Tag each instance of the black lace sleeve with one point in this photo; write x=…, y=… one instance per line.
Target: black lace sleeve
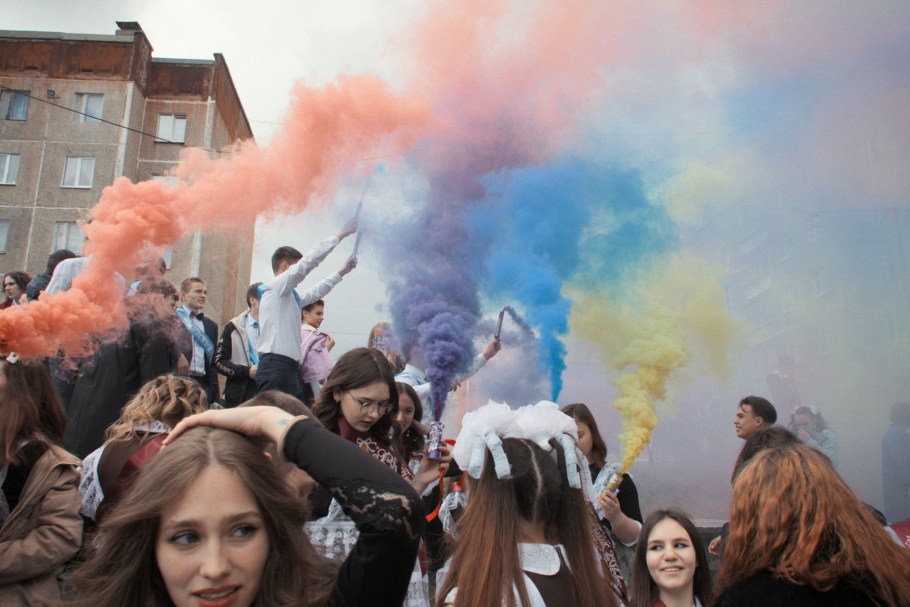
x=386, y=510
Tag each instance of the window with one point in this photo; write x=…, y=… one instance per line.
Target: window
x=9, y=168
x=4, y=233
x=68, y=236
x=78, y=172
x=171, y=128
x=13, y=105
x=90, y=105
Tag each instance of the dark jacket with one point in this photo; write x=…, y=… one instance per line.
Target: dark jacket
x=232, y=358
x=111, y=377
x=185, y=343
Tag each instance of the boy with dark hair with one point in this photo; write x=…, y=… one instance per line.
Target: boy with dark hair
x=280, y=311
x=236, y=357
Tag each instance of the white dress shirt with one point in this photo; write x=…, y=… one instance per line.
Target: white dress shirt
x=279, y=312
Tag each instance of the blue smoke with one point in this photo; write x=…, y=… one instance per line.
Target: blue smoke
x=541, y=227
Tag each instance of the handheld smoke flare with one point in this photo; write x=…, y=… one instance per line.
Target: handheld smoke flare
x=499, y=323
x=434, y=440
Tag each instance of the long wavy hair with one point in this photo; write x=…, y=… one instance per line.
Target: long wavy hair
x=486, y=566
x=29, y=407
x=580, y=412
x=644, y=591
x=121, y=568
x=167, y=399
x=355, y=369
x=791, y=514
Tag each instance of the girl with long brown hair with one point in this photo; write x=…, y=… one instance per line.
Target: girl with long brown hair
x=671, y=563
x=523, y=538
x=618, y=509
x=800, y=536
x=40, y=526
x=358, y=400
x=209, y=521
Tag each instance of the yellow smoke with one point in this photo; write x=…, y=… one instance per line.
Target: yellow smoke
x=649, y=331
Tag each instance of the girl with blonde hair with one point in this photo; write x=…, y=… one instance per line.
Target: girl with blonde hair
x=135, y=438
x=209, y=521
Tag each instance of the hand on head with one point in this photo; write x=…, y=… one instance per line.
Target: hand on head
x=256, y=422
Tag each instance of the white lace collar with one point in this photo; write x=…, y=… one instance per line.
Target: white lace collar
x=542, y=559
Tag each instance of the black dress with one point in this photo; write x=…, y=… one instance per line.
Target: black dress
x=386, y=510
x=764, y=590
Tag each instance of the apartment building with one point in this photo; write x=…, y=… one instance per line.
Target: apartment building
x=78, y=111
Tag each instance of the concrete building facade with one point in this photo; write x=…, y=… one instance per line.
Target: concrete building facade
x=78, y=111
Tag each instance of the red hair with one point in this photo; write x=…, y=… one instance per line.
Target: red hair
x=791, y=514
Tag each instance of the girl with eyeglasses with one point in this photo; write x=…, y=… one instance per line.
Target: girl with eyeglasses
x=358, y=401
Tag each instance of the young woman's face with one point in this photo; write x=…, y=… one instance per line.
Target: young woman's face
x=671, y=557
x=10, y=287
x=405, y=414
x=212, y=544
x=362, y=407
x=584, y=438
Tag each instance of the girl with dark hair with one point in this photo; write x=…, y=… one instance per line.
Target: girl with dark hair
x=524, y=537
x=358, y=400
x=800, y=536
x=135, y=438
x=410, y=434
x=14, y=286
x=671, y=563
x=619, y=510
x=209, y=521
x=40, y=526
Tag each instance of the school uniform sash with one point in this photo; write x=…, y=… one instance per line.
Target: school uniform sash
x=199, y=336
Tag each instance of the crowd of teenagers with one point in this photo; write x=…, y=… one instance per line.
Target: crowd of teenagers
x=133, y=476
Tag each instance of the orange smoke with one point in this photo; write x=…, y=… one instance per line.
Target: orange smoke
x=325, y=132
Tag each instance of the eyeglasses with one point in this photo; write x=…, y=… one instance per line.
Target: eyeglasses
x=381, y=408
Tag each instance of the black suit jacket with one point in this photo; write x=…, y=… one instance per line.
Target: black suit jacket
x=185, y=344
